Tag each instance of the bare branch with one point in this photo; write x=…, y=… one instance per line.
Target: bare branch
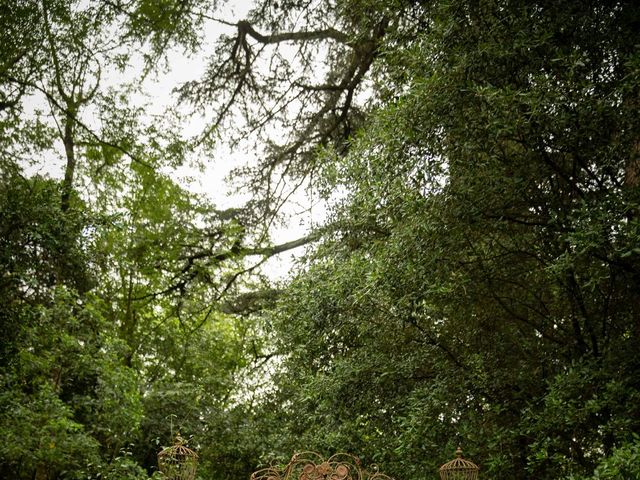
x=181, y=279
x=245, y=28
x=276, y=249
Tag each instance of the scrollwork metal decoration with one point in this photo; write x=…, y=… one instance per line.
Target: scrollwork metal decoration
x=312, y=466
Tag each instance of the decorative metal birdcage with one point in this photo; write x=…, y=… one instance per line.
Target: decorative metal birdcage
x=178, y=462
x=312, y=466
x=459, y=469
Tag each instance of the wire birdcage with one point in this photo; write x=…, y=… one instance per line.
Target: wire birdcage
x=178, y=462
x=459, y=469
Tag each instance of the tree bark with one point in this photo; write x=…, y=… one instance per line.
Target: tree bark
x=69, y=150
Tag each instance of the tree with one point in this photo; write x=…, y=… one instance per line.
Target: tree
x=479, y=283
x=268, y=90
x=117, y=282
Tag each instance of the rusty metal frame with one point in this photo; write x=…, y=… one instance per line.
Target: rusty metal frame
x=178, y=462
x=313, y=466
x=459, y=469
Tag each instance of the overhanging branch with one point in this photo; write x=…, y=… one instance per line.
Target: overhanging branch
x=245, y=28
x=283, y=247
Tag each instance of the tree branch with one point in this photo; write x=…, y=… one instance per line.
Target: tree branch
x=283, y=247
x=81, y=124
x=245, y=28
x=186, y=274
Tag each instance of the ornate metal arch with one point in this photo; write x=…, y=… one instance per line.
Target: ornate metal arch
x=312, y=466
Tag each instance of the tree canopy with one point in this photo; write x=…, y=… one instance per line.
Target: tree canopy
x=476, y=280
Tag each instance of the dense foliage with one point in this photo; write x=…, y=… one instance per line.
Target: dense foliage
x=476, y=282
x=480, y=281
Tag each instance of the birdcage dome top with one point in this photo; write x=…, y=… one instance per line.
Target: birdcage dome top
x=178, y=462
x=178, y=449
x=459, y=469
